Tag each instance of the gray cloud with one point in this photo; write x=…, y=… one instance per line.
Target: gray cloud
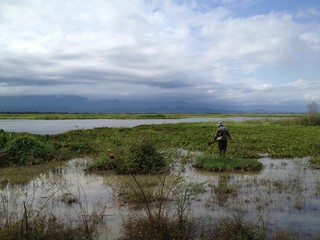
x=162, y=49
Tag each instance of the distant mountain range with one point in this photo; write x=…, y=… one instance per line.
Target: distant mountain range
x=74, y=104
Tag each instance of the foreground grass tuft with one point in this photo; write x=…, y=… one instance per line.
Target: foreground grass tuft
x=226, y=163
x=315, y=162
x=139, y=227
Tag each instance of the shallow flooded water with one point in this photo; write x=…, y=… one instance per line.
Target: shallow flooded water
x=285, y=195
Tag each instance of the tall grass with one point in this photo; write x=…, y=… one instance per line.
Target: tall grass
x=310, y=118
x=35, y=221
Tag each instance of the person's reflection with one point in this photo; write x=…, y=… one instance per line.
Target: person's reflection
x=223, y=190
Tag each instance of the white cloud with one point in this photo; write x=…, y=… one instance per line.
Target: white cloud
x=142, y=48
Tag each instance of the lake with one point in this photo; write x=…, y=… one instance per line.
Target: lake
x=60, y=126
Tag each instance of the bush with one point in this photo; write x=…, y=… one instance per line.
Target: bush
x=312, y=117
x=310, y=120
x=24, y=150
x=143, y=158
x=222, y=164
x=3, y=139
x=139, y=158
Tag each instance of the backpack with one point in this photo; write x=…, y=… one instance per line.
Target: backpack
x=222, y=134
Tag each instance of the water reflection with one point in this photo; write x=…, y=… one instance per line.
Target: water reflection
x=284, y=195
x=223, y=190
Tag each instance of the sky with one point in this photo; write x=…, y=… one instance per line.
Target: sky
x=200, y=51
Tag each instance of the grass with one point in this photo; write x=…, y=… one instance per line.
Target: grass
x=226, y=163
x=236, y=227
x=315, y=162
x=277, y=139
x=250, y=139
x=139, y=227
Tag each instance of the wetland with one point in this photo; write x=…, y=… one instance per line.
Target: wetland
x=280, y=200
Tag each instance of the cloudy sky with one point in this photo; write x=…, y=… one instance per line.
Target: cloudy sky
x=235, y=51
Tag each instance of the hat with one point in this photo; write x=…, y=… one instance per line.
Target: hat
x=219, y=124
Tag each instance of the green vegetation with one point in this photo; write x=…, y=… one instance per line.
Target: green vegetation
x=23, y=150
x=140, y=157
x=142, y=150
x=277, y=139
x=237, y=228
x=39, y=222
x=310, y=118
x=43, y=228
x=139, y=227
x=229, y=164
x=3, y=139
x=315, y=162
x=161, y=221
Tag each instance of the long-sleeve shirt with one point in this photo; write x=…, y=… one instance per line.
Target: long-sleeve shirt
x=223, y=133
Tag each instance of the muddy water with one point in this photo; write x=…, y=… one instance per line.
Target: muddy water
x=286, y=194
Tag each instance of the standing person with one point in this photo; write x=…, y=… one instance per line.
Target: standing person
x=222, y=135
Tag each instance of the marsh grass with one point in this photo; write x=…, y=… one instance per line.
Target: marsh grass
x=315, y=162
x=166, y=205
x=129, y=190
x=35, y=220
x=277, y=139
x=233, y=227
x=226, y=163
x=283, y=234
x=140, y=227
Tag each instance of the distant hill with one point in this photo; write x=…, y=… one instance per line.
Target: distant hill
x=74, y=104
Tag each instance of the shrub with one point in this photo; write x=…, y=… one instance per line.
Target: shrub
x=139, y=158
x=312, y=117
x=25, y=149
x=143, y=158
x=222, y=164
x=3, y=139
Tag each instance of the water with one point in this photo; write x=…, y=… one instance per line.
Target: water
x=60, y=126
x=284, y=195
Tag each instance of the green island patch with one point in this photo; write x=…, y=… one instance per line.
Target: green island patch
x=226, y=163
